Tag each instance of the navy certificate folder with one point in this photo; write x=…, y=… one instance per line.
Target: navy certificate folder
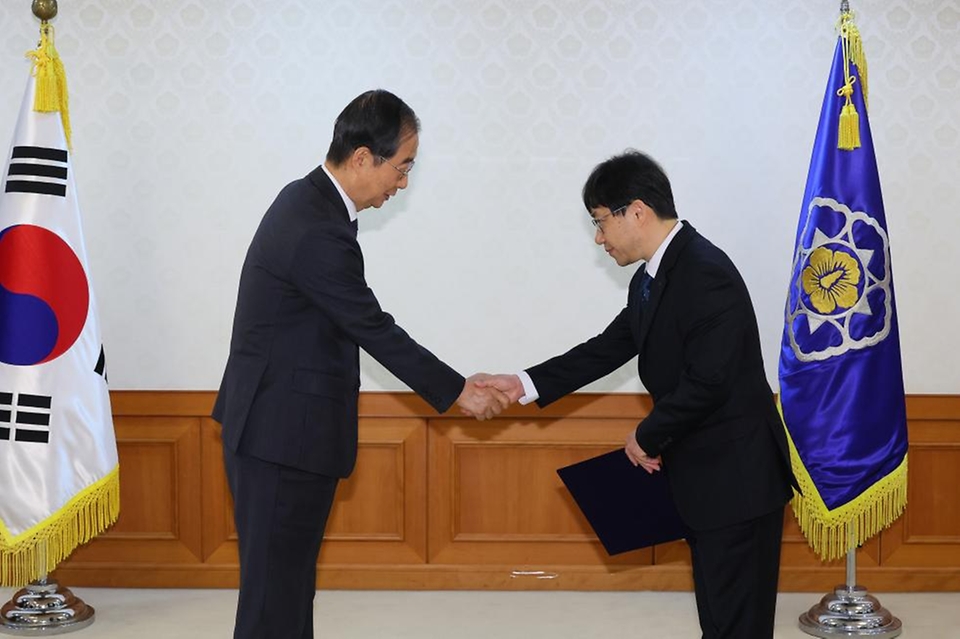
x=627, y=507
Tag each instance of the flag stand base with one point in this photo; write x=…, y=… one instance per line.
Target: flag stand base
x=849, y=612
x=44, y=608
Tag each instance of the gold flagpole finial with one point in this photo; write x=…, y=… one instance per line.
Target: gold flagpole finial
x=46, y=10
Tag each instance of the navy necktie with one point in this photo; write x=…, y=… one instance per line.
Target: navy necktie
x=645, y=282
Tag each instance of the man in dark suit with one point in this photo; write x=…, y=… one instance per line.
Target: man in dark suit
x=288, y=399
x=714, y=425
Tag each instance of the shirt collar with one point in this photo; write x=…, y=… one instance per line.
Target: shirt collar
x=653, y=264
x=351, y=207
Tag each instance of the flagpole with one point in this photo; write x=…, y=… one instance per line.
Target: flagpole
x=851, y=563
x=850, y=611
x=43, y=607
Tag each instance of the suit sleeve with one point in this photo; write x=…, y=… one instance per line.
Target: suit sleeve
x=585, y=363
x=328, y=268
x=713, y=340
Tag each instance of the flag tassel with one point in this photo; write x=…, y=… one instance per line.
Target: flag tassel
x=92, y=511
x=830, y=533
x=51, y=93
x=848, y=137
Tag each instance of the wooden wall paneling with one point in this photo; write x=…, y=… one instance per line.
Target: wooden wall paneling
x=445, y=502
x=162, y=403
x=160, y=513
x=219, y=532
x=675, y=553
x=495, y=497
x=927, y=536
x=379, y=515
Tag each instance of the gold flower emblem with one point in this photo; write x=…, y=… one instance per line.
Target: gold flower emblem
x=830, y=279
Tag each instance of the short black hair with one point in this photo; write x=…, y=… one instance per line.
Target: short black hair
x=376, y=119
x=630, y=176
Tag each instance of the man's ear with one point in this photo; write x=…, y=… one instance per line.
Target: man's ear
x=641, y=210
x=361, y=156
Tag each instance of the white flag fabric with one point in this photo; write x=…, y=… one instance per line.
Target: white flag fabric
x=58, y=456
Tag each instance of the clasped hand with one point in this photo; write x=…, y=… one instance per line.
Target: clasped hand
x=485, y=396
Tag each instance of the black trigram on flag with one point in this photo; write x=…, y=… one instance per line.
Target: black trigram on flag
x=101, y=367
x=37, y=169
x=27, y=419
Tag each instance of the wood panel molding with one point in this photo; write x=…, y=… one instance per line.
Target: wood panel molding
x=160, y=513
x=441, y=502
x=496, y=498
x=380, y=516
x=928, y=534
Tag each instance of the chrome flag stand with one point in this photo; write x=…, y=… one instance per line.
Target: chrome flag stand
x=850, y=611
x=44, y=608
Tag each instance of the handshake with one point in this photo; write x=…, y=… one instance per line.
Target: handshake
x=485, y=396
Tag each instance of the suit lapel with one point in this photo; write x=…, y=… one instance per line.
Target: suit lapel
x=659, y=284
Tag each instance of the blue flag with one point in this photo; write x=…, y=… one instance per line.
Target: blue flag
x=841, y=378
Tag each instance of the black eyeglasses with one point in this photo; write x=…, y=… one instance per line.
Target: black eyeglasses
x=598, y=221
x=404, y=172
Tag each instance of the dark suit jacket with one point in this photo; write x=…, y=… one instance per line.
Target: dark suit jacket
x=289, y=391
x=714, y=420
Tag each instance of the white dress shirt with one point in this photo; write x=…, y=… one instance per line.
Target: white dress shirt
x=351, y=207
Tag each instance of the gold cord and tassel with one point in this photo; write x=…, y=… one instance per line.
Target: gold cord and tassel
x=51, y=83
x=849, y=134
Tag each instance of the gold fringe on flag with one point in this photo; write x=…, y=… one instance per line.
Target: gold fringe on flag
x=832, y=533
x=51, y=94
x=849, y=134
x=33, y=554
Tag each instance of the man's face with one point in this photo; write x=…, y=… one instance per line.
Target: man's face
x=381, y=179
x=619, y=234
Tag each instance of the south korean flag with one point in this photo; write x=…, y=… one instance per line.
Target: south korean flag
x=58, y=456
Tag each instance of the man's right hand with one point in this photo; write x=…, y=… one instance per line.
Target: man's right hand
x=509, y=385
x=481, y=401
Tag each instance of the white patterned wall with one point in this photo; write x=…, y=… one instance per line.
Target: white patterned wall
x=189, y=116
